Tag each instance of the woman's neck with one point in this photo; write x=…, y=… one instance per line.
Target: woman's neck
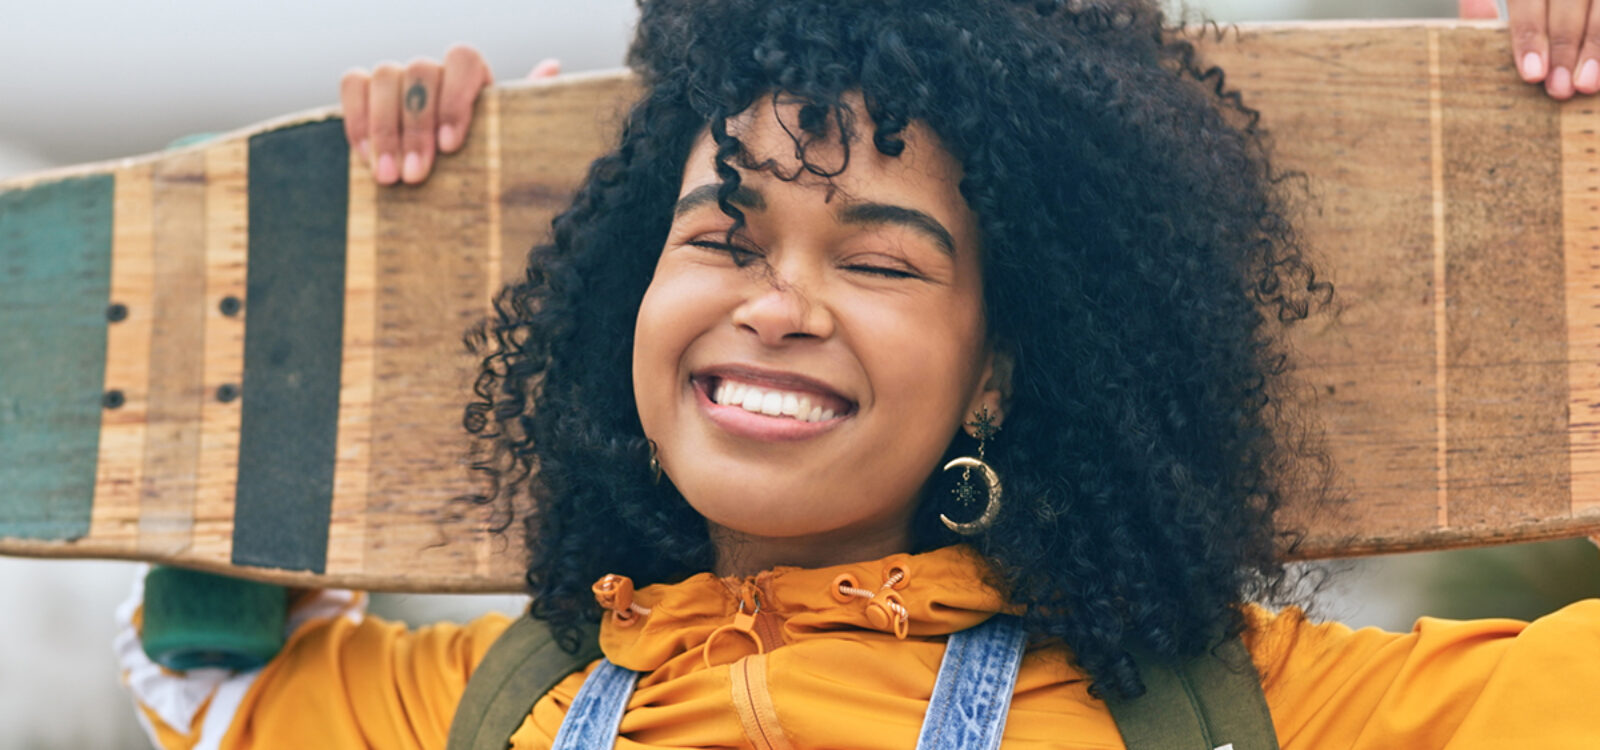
x=741, y=555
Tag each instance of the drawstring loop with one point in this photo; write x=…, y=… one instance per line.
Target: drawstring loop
x=615, y=593
x=886, y=610
x=744, y=623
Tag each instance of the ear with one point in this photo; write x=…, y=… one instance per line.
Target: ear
x=994, y=390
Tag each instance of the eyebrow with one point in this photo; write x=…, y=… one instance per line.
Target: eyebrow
x=853, y=213
x=910, y=218
x=707, y=195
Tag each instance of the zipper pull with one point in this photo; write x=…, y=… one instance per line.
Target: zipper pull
x=744, y=623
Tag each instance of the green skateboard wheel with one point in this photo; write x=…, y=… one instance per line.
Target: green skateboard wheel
x=194, y=620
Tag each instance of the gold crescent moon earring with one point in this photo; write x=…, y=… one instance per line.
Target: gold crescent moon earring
x=983, y=428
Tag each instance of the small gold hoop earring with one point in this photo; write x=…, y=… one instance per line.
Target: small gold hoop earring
x=655, y=464
x=984, y=428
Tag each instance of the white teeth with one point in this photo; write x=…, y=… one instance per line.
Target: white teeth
x=752, y=399
x=772, y=403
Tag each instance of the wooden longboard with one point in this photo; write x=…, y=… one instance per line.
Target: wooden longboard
x=243, y=356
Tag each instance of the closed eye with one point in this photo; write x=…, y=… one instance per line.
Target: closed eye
x=888, y=273
x=741, y=256
x=882, y=265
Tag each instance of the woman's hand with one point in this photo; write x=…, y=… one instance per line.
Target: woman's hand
x=1554, y=42
x=398, y=118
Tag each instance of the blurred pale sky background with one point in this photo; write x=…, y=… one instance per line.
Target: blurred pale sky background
x=86, y=80
x=92, y=79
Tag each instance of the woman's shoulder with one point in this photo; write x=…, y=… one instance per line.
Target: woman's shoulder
x=1444, y=678
x=1279, y=639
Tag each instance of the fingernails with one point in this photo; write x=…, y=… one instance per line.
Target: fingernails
x=412, y=172
x=547, y=68
x=361, y=148
x=1589, y=76
x=1560, y=83
x=386, y=172
x=449, y=141
x=1532, y=67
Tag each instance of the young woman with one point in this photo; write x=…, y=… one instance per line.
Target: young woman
x=838, y=245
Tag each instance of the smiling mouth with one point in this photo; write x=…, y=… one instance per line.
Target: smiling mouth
x=773, y=401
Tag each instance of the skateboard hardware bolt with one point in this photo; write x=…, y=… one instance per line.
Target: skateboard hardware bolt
x=113, y=399
x=227, y=392
x=230, y=305
x=117, y=312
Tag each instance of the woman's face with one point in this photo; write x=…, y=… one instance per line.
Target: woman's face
x=802, y=382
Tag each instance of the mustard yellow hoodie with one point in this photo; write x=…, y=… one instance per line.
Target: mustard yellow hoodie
x=817, y=667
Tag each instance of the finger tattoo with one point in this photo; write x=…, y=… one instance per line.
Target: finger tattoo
x=416, y=98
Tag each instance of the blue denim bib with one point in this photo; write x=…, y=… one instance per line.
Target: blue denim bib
x=967, y=711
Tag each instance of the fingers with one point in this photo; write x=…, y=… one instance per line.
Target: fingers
x=547, y=68
x=383, y=118
x=1586, y=77
x=1530, y=47
x=399, y=119
x=418, y=117
x=1565, y=22
x=1555, y=42
x=1478, y=9
x=465, y=74
x=353, y=88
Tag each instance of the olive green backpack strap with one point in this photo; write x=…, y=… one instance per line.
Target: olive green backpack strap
x=519, y=668
x=1209, y=702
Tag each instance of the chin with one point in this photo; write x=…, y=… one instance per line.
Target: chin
x=762, y=514
x=767, y=527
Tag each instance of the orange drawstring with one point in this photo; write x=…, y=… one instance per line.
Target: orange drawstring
x=885, y=609
x=615, y=593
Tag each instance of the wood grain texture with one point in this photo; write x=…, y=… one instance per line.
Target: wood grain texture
x=1456, y=212
x=1506, y=346
x=1580, y=221
x=1355, y=118
x=177, y=348
x=119, y=480
x=227, y=222
x=353, y=462
x=549, y=136
x=1440, y=294
x=1437, y=196
x=486, y=555
x=430, y=270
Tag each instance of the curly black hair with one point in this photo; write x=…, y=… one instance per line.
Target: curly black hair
x=1139, y=263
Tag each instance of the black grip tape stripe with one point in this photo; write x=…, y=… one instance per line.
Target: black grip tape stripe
x=294, y=326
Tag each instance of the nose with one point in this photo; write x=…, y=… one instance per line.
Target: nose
x=780, y=312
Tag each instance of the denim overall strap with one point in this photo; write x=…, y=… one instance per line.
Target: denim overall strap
x=596, y=711
x=973, y=693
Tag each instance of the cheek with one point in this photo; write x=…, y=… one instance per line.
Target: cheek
x=923, y=368
x=676, y=310
x=924, y=362
x=653, y=365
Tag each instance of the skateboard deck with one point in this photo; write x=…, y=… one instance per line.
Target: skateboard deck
x=243, y=356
